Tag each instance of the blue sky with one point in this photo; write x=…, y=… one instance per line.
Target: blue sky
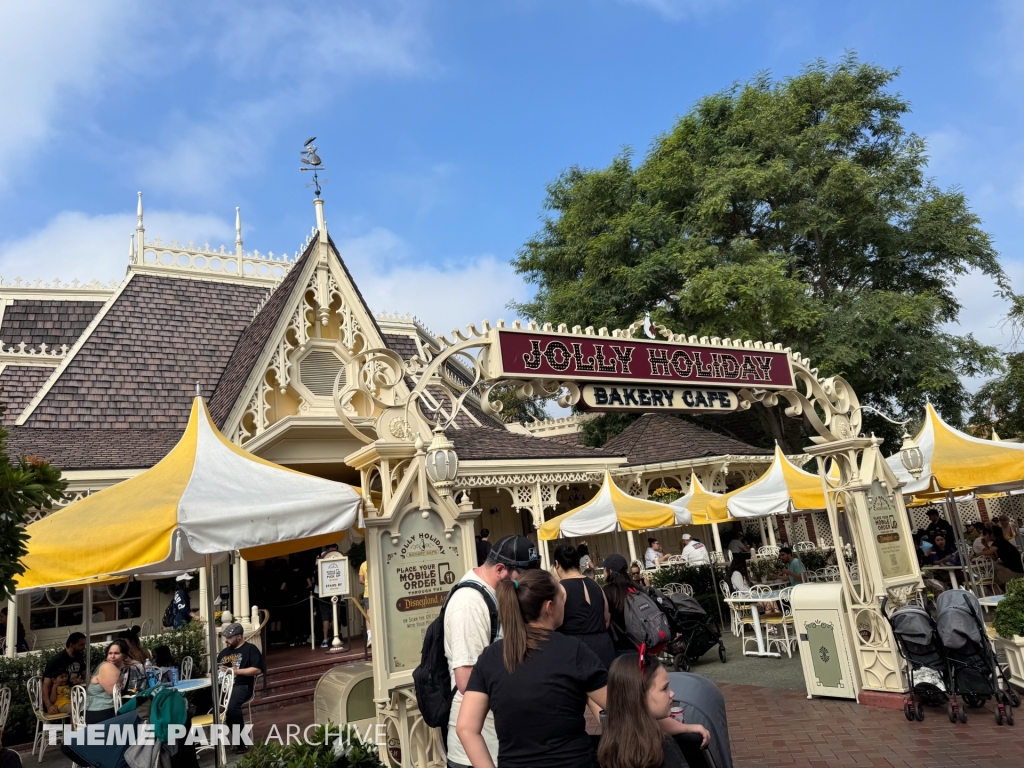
x=440, y=123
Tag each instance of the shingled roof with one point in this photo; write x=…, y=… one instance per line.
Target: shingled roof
x=488, y=443
x=18, y=385
x=655, y=438
x=139, y=366
x=72, y=449
x=49, y=322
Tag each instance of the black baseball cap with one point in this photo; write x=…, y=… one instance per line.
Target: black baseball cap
x=615, y=563
x=515, y=552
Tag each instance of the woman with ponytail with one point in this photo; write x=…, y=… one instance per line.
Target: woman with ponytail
x=639, y=727
x=535, y=680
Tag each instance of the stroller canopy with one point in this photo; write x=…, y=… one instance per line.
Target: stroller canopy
x=686, y=605
x=959, y=618
x=912, y=624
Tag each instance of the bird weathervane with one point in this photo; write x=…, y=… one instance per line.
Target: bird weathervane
x=311, y=162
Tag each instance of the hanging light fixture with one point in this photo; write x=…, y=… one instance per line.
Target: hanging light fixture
x=442, y=462
x=911, y=456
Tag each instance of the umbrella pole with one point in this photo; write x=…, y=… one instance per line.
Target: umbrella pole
x=219, y=754
x=87, y=610
x=961, y=543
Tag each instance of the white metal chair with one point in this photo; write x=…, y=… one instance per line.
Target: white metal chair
x=832, y=573
x=783, y=621
x=116, y=696
x=734, y=611
x=185, y=672
x=147, y=628
x=718, y=558
x=983, y=569
x=746, y=619
x=803, y=546
x=78, y=707
x=687, y=589
x=34, y=686
x=227, y=684
x=30, y=638
x=5, y=708
x=770, y=551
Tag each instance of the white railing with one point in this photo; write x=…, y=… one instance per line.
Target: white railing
x=188, y=258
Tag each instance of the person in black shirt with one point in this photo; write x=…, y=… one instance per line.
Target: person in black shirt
x=937, y=526
x=247, y=662
x=536, y=682
x=639, y=729
x=1008, y=565
x=72, y=661
x=483, y=547
x=586, y=607
x=182, y=601
x=616, y=588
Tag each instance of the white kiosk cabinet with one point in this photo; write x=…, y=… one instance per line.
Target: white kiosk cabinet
x=344, y=696
x=819, y=617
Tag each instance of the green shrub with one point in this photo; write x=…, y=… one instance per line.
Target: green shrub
x=1009, y=616
x=763, y=567
x=817, y=558
x=703, y=578
x=14, y=673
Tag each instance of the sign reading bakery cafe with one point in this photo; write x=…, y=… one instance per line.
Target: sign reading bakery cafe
x=620, y=374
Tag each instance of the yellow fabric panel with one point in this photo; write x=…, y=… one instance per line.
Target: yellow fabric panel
x=639, y=514
x=126, y=526
x=958, y=461
x=805, y=489
x=282, y=548
x=700, y=503
x=717, y=509
x=549, y=531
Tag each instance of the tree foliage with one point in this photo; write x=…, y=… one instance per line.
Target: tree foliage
x=793, y=211
x=25, y=483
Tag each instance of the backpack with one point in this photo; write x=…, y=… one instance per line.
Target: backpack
x=646, y=626
x=434, y=687
x=168, y=619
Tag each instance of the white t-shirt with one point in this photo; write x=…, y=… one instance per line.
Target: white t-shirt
x=978, y=545
x=651, y=557
x=467, y=631
x=739, y=584
x=696, y=554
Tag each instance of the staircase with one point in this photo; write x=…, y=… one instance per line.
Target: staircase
x=292, y=674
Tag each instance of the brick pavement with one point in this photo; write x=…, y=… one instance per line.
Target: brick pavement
x=771, y=727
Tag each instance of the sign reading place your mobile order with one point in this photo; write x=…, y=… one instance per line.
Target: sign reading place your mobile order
x=635, y=374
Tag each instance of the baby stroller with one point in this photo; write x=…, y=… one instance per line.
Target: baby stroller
x=973, y=667
x=918, y=642
x=693, y=633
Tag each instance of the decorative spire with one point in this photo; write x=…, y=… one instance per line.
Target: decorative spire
x=131, y=248
x=238, y=229
x=140, y=235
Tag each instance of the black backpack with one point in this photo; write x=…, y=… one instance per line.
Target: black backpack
x=434, y=688
x=168, y=620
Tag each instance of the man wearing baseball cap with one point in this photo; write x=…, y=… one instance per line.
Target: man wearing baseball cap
x=468, y=628
x=182, y=601
x=247, y=662
x=694, y=552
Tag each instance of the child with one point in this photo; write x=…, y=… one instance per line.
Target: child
x=62, y=700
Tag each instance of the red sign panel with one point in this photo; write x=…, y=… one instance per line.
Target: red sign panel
x=533, y=354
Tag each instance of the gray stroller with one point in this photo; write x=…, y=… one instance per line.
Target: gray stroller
x=931, y=683
x=973, y=669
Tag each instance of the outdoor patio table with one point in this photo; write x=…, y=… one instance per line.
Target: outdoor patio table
x=752, y=602
x=187, y=686
x=991, y=601
x=950, y=569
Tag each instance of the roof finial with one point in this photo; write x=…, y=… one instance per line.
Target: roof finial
x=199, y=392
x=131, y=248
x=238, y=229
x=140, y=232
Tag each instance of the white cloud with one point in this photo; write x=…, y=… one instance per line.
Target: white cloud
x=51, y=52
x=676, y=10
x=74, y=245
x=444, y=296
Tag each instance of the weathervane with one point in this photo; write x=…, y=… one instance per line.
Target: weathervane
x=312, y=163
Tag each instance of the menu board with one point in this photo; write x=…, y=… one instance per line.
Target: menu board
x=889, y=533
x=420, y=568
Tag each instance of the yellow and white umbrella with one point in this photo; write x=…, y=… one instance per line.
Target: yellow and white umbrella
x=954, y=460
x=771, y=494
x=692, y=509
x=207, y=496
x=609, y=511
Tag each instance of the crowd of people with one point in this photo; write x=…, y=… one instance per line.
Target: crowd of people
x=999, y=540
x=515, y=634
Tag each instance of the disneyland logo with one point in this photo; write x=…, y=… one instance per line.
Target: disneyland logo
x=144, y=734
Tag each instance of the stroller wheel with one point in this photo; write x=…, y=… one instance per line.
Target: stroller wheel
x=951, y=711
x=1000, y=711
x=681, y=663
x=919, y=711
x=908, y=710
x=1009, y=715
x=721, y=653
x=1014, y=698
x=963, y=715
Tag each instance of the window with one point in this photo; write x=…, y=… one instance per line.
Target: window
x=64, y=607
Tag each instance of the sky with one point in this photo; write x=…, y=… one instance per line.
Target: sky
x=440, y=123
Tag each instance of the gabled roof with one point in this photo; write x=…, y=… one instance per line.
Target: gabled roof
x=46, y=321
x=656, y=438
x=18, y=385
x=139, y=365
x=481, y=443
x=72, y=449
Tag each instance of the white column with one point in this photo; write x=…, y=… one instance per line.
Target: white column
x=236, y=588
x=764, y=533
x=632, y=545
x=770, y=522
x=716, y=537
x=204, y=589
x=244, y=609
x=12, y=628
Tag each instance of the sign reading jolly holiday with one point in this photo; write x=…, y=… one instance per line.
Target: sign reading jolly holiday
x=682, y=376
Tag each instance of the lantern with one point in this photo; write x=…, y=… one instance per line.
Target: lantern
x=911, y=456
x=442, y=462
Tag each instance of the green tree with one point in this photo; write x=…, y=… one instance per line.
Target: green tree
x=793, y=211
x=999, y=403
x=26, y=483
x=515, y=410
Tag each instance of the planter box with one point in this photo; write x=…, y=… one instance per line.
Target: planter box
x=1014, y=650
